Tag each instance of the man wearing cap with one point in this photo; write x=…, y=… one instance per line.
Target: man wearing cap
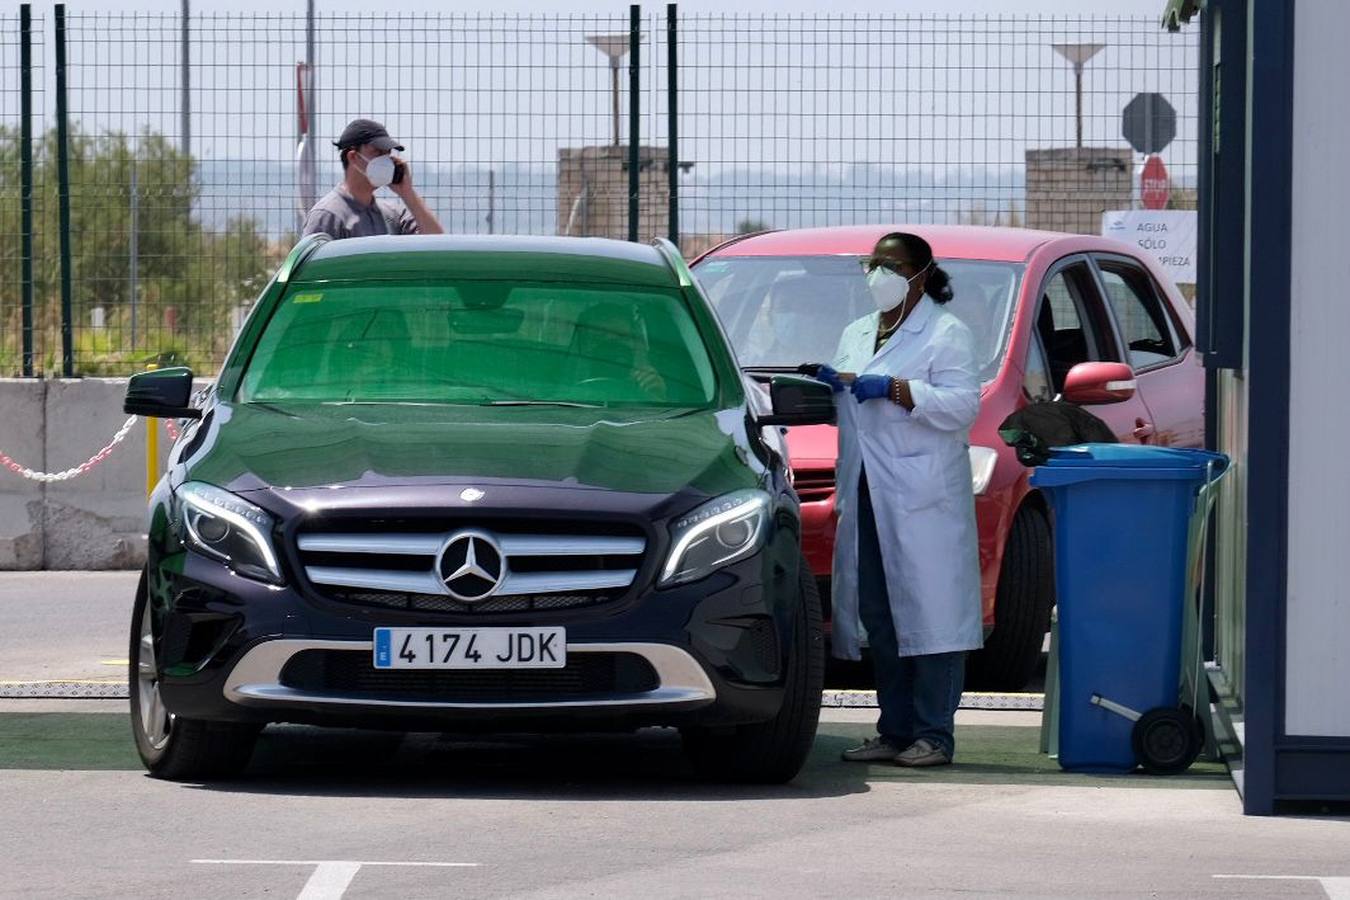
x=350, y=209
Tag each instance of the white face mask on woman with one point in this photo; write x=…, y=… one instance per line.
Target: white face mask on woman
x=379, y=171
x=889, y=288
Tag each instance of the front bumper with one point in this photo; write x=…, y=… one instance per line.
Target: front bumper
x=256, y=681
x=716, y=647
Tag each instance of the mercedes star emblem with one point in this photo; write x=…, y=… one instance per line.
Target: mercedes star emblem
x=471, y=495
x=470, y=566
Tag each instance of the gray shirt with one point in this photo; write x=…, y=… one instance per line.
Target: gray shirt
x=339, y=215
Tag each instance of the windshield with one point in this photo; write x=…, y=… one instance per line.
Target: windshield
x=782, y=311
x=478, y=342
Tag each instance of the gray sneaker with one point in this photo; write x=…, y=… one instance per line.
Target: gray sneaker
x=874, y=749
x=923, y=752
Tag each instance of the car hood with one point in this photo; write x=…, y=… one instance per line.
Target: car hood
x=254, y=446
x=813, y=446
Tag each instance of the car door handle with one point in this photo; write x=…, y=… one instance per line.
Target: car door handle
x=1143, y=430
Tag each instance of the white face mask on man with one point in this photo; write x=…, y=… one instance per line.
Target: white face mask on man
x=379, y=171
x=889, y=288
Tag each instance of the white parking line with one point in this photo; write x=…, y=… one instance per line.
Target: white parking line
x=1336, y=887
x=331, y=877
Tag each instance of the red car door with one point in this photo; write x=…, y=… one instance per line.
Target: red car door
x=1158, y=349
x=1074, y=326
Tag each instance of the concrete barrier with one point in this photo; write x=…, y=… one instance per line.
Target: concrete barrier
x=93, y=521
x=23, y=436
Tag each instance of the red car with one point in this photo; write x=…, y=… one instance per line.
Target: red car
x=1053, y=315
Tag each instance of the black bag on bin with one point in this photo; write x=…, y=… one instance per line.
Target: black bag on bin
x=1034, y=429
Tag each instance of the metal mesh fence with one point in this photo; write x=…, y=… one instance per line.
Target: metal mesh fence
x=188, y=147
x=799, y=121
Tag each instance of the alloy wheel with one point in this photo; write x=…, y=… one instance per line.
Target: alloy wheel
x=156, y=721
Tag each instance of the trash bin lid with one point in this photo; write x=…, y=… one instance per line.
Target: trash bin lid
x=1130, y=456
x=1126, y=462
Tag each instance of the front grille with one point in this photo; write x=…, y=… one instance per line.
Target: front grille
x=350, y=674
x=505, y=604
x=813, y=484
x=460, y=567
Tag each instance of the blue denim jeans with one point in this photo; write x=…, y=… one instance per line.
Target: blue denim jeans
x=918, y=695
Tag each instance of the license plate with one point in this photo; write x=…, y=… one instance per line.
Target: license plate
x=470, y=648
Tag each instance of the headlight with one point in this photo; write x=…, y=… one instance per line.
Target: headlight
x=230, y=529
x=982, y=463
x=722, y=531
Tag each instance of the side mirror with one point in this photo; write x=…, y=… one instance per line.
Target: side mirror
x=1099, y=382
x=162, y=393
x=798, y=400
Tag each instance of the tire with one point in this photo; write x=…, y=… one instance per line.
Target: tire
x=1167, y=739
x=772, y=752
x=172, y=747
x=1026, y=594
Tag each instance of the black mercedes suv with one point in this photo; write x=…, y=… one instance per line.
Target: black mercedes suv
x=450, y=483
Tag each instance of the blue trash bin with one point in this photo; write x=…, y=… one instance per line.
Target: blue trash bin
x=1122, y=518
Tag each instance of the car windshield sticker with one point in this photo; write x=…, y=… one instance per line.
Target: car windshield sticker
x=307, y=298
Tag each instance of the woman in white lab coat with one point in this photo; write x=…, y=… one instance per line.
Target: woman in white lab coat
x=906, y=556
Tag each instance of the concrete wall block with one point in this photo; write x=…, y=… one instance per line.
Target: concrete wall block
x=95, y=521
x=22, y=437
x=1069, y=187
x=606, y=180
x=102, y=532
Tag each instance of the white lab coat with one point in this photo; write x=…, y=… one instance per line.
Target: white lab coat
x=919, y=478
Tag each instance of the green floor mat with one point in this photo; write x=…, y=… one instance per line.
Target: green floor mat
x=986, y=754
x=1001, y=754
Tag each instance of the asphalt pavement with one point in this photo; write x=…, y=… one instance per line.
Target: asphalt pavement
x=366, y=814
x=65, y=625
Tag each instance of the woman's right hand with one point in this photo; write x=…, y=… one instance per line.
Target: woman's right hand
x=830, y=377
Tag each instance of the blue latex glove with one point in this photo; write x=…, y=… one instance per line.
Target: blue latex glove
x=871, y=387
x=830, y=377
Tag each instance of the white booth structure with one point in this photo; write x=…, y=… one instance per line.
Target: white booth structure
x=1273, y=310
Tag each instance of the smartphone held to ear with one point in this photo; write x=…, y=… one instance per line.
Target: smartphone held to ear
x=400, y=169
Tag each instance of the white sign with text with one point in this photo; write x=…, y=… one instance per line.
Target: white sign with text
x=1168, y=235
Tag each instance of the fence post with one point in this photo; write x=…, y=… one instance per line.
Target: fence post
x=26, y=182
x=634, y=115
x=63, y=195
x=672, y=124
x=185, y=104
x=151, y=448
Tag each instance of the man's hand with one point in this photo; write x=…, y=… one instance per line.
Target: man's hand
x=403, y=189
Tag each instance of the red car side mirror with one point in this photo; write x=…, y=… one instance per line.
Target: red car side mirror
x=1099, y=382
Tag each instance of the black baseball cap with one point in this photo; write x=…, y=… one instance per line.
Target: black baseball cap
x=366, y=131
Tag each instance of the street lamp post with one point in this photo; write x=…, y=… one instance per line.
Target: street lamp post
x=1078, y=55
x=614, y=46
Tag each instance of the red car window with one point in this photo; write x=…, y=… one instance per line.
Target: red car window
x=1139, y=313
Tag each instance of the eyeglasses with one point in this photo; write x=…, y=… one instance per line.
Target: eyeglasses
x=869, y=264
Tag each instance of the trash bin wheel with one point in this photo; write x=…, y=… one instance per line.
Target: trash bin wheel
x=1167, y=740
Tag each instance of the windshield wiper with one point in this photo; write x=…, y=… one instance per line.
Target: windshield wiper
x=567, y=403
x=271, y=408
x=395, y=403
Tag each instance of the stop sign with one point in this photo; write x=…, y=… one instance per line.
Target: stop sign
x=1154, y=187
